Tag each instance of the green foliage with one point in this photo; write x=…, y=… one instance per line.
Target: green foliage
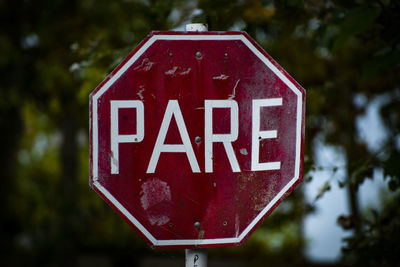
x=54, y=53
x=392, y=171
x=378, y=244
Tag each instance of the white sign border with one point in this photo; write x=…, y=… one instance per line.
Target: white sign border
x=125, y=67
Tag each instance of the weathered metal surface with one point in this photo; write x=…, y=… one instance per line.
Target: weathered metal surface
x=182, y=168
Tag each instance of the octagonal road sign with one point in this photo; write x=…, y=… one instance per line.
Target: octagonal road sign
x=196, y=137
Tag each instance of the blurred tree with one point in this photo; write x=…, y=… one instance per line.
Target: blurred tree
x=362, y=42
x=345, y=53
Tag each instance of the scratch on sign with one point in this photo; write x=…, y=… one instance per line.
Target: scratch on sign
x=233, y=95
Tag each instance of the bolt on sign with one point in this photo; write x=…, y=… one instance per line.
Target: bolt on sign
x=196, y=137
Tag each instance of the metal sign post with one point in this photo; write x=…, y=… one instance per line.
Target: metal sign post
x=196, y=257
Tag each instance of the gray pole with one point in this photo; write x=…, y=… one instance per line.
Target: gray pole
x=196, y=257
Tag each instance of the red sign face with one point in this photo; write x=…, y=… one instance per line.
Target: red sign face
x=196, y=137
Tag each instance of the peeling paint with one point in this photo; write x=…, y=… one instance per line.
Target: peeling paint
x=146, y=65
x=155, y=197
x=265, y=196
x=221, y=77
x=243, y=151
x=141, y=87
x=158, y=220
x=178, y=71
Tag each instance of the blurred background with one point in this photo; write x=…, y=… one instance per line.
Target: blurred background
x=346, y=54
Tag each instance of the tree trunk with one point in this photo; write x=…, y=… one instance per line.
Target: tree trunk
x=11, y=125
x=69, y=191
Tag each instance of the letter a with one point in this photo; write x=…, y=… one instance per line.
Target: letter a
x=186, y=146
